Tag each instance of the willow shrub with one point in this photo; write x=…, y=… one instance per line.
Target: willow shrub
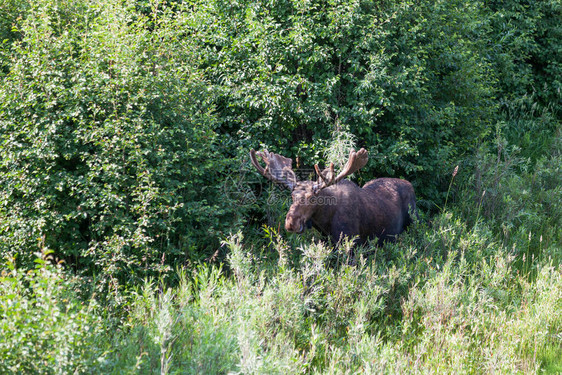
x=109, y=154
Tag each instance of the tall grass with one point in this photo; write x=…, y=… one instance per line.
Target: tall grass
x=445, y=298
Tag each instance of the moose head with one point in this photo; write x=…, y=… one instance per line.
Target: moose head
x=338, y=207
x=306, y=195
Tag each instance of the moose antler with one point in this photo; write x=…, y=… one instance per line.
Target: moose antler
x=278, y=168
x=356, y=161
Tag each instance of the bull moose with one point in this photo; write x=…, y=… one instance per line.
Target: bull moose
x=381, y=209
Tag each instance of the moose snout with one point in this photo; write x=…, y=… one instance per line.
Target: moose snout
x=294, y=224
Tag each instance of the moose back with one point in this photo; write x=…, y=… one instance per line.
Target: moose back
x=336, y=207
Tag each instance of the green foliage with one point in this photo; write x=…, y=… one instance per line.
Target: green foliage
x=410, y=81
x=452, y=295
x=526, y=41
x=121, y=120
x=44, y=327
x=124, y=133
x=445, y=298
x=184, y=330
x=11, y=11
x=519, y=200
x=109, y=154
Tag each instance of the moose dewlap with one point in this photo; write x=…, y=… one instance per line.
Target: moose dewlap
x=337, y=207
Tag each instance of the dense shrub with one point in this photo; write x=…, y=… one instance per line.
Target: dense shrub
x=525, y=42
x=519, y=199
x=108, y=151
x=45, y=328
x=411, y=81
x=124, y=132
x=459, y=304
x=11, y=11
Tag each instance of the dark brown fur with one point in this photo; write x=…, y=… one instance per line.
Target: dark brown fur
x=380, y=209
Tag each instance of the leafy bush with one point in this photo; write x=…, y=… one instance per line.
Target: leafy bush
x=525, y=41
x=121, y=121
x=11, y=12
x=109, y=154
x=410, y=81
x=519, y=199
x=452, y=295
x=44, y=327
x=185, y=330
